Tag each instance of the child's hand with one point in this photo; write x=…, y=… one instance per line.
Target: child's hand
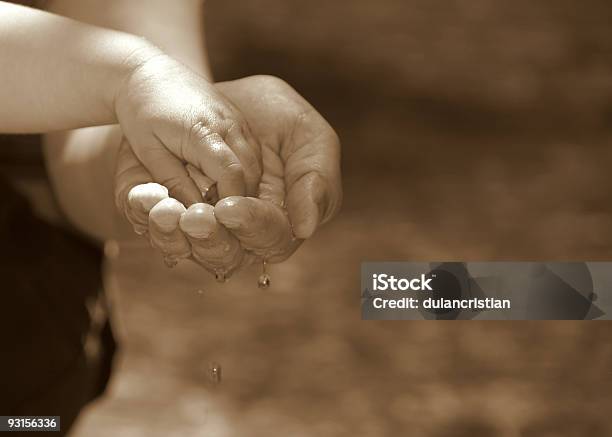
x=171, y=116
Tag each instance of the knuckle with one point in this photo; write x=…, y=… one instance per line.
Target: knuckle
x=201, y=132
x=233, y=170
x=271, y=82
x=121, y=199
x=334, y=140
x=199, y=129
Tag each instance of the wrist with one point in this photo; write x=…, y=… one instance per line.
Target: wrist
x=135, y=53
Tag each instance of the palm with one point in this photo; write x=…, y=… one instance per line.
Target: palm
x=301, y=152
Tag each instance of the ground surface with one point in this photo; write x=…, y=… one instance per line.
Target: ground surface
x=472, y=130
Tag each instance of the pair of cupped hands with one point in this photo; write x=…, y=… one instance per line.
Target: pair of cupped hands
x=224, y=174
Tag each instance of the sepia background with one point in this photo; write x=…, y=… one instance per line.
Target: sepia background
x=472, y=130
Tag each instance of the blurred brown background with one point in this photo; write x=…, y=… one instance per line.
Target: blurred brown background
x=472, y=130
x=484, y=123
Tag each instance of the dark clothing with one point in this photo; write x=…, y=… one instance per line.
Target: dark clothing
x=56, y=352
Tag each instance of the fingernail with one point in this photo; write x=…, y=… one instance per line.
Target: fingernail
x=227, y=211
x=146, y=196
x=198, y=221
x=166, y=214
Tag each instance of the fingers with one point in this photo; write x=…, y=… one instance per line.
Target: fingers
x=211, y=244
x=307, y=145
x=206, y=185
x=215, y=159
x=165, y=233
x=168, y=170
x=141, y=199
x=247, y=150
x=149, y=208
x=306, y=204
x=261, y=226
x=272, y=185
x=135, y=195
x=129, y=172
x=313, y=183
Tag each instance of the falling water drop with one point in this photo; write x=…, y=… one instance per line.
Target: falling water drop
x=170, y=262
x=214, y=372
x=220, y=276
x=264, y=279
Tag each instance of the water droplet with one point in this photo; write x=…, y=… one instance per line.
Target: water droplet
x=215, y=372
x=220, y=276
x=226, y=247
x=264, y=278
x=264, y=281
x=170, y=262
x=200, y=292
x=211, y=196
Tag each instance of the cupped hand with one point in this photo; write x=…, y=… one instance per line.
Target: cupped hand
x=178, y=232
x=301, y=168
x=300, y=186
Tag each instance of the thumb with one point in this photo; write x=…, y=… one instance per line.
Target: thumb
x=312, y=175
x=261, y=226
x=310, y=203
